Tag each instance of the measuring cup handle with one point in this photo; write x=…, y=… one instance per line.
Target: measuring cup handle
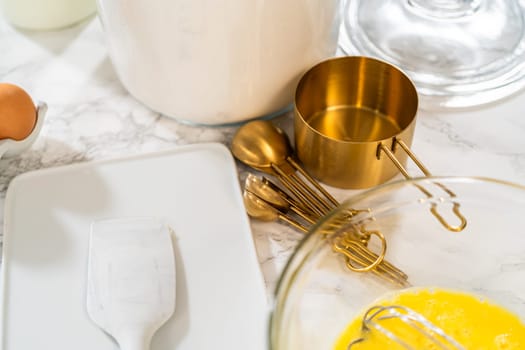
x=455, y=210
x=433, y=209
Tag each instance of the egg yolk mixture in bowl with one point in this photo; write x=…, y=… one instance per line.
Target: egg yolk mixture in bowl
x=473, y=322
x=465, y=277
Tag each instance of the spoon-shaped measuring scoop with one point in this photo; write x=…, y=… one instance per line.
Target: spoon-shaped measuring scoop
x=264, y=189
x=261, y=145
x=131, y=279
x=258, y=208
x=273, y=195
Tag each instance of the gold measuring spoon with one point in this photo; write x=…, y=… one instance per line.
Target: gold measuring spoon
x=358, y=258
x=266, y=202
x=258, y=208
x=272, y=194
x=262, y=146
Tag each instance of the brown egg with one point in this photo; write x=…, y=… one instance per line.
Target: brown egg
x=17, y=112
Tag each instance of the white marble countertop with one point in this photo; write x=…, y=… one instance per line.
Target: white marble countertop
x=92, y=117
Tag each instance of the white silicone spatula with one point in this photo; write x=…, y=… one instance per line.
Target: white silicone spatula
x=131, y=279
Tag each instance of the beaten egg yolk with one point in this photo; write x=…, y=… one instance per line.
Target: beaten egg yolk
x=474, y=322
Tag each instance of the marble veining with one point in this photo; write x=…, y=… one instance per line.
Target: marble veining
x=92, y=117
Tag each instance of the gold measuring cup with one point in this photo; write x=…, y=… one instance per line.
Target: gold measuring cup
x=345, y=108
x=354, y=123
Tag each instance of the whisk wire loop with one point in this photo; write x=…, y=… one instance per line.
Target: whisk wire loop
x=376, y=315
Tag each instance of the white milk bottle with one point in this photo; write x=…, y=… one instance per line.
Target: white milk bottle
x=46, y=14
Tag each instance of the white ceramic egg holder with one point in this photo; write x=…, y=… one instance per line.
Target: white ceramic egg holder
x=11, y=148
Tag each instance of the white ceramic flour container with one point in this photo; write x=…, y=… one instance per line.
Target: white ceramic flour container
x=217, y=61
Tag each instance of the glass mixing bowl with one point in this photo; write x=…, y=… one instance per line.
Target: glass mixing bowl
x=318, y=296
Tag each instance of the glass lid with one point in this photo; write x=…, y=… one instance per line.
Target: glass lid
x=459, y=53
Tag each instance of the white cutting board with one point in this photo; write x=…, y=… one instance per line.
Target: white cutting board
x=221, y=299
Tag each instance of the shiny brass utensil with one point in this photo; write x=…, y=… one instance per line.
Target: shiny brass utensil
x=262, y=146
x=264, y=189
x=433, y=207
x=377, y=317
x=258, y=208
x=349, y=112
x=358, y=258
x=266, y=201
x=349, y=235
x=272, y=194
